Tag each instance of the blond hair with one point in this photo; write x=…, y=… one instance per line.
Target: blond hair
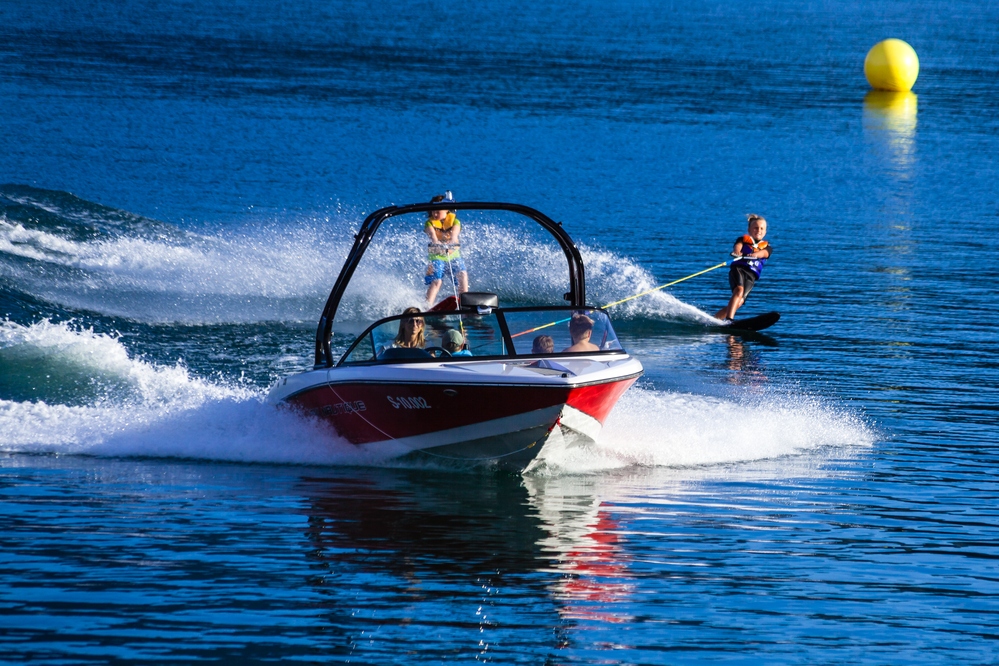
x=437, y=199
x=400, y=339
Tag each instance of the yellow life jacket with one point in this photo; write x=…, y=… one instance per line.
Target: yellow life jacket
x=445, y=226
x=444, y=251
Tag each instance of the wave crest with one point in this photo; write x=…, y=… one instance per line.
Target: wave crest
x=86, y=257
x=650, y=428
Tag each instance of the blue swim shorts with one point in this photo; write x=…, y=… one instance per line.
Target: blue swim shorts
x=438, y=268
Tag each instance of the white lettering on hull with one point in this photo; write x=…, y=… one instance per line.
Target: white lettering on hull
x=340, y=408
x=408, y=403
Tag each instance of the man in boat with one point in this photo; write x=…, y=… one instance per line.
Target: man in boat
x=444, y=250
x=752, y=252
x=580, y=330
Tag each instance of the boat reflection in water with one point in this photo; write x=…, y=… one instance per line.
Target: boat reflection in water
x=417, y=522
x=587, y=542
x=481, y=562
x=448, y=565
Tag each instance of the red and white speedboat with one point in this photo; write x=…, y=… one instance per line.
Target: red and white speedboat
x=499, y=405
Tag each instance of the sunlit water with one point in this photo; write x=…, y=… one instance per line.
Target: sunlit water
x=182, y=182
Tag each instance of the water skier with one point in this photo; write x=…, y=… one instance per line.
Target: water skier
x=444, y=250
x=752, y=252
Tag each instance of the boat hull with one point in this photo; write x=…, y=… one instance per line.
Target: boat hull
x=465, y=413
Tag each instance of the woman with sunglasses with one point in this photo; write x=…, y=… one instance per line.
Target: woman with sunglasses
x=410, y=331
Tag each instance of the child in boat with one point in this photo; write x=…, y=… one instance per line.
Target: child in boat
x=543, y=344
x=444, y=250
x=454, y=343
x=752, y=252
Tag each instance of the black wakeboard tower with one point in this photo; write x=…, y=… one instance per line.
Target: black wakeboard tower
x=576, y=296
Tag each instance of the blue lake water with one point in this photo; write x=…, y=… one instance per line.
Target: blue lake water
x=180, y=183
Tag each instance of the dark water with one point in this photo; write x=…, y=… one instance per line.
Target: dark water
x=181, y=182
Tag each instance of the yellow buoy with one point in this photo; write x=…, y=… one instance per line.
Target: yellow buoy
x=891, y=65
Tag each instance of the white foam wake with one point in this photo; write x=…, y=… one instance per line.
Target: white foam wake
x=283, y=272
x=146, y=409
x=271, y=274
x=153, y=410
x=610, y=278
x=245, y=430
x=651, y=428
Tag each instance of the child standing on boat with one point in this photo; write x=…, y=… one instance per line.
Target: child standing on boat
x=752, y=252
x=444, y=250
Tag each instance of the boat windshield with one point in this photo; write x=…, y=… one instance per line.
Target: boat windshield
x=500, y=333
x=532, y=330
x=435, y=335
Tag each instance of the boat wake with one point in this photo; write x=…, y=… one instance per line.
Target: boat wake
x=68, y=390
x=87, y=258
x=651, y=428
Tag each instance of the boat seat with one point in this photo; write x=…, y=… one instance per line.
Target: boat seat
x=395, y=353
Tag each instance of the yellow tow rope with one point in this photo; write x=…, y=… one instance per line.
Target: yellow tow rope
x=623, y=300
x=669, y=284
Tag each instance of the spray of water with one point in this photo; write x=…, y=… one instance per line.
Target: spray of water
x=66, y=389
x=144, y=409
x=141, y=409
x=81, y=256
x=650, y=428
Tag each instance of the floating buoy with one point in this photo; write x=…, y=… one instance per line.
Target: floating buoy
x=891, y=65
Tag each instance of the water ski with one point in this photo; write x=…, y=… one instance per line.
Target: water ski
x=757, y=323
